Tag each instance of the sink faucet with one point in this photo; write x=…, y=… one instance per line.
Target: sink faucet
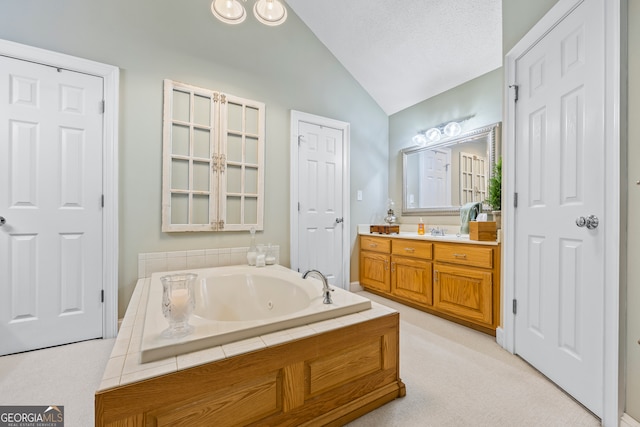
x=325, y=284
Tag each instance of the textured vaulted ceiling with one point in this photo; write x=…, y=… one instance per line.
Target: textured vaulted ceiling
x=405, y=51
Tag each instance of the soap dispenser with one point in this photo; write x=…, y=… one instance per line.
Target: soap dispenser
x=421, y=227
x=252, y=252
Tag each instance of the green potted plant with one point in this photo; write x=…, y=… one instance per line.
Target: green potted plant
x=494, y=191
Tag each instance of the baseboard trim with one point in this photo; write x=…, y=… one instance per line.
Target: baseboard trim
x=500, y=336
x=628, y=421
x=355, y=287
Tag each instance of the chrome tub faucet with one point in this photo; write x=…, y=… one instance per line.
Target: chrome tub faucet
x=325, y=284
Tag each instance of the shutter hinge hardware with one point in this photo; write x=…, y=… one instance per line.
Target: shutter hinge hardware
x=515, y=200
x=222, y=162
x=102, y=295
x=218, y=162
x=515, y=306
x=516, y=88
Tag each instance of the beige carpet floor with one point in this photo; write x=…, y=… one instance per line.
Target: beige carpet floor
x=454, y=377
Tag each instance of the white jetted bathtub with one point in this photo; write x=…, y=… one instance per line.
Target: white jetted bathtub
x=239, y=302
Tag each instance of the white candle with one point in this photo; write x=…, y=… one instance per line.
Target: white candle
x=179, y=303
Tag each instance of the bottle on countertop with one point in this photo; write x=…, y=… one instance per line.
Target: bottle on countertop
x=421, y=227
x=252, y=252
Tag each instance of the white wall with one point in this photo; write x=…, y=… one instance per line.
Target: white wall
x=285, y=67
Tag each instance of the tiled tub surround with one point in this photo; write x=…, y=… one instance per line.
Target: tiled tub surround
x=153, y=262
x=267, y=296
x=357, y=354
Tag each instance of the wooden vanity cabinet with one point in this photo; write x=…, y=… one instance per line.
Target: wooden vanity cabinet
x=457, y=281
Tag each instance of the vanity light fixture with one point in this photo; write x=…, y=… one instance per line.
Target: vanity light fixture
x=268, y=12
x=443, y=130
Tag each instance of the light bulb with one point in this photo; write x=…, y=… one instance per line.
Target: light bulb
x=452, y=129
x=433, y=134
x=228, y=11
x=270, y=12
x=419, y=139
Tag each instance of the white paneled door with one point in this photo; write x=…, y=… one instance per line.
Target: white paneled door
x=560, y=155
x=435, y=176
x=50, y=199
x=320, y=211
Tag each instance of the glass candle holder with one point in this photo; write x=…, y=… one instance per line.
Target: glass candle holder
x=178, y=303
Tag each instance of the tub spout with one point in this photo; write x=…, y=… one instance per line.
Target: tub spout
x=325, y=284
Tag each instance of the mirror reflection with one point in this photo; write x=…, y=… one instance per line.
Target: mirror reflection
x=441, y=177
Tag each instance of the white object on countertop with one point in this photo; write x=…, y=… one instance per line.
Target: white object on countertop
x=482, y=217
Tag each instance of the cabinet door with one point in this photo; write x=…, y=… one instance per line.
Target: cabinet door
x=374, y=271
x=412, y=279
x=463, y=292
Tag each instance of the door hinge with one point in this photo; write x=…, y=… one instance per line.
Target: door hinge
x=101, y=107
x=300, y=140
x=298, y=206
x=102, y=295
x=515, y=306
x=102, y=200
x=516, y=89
x=515, y=200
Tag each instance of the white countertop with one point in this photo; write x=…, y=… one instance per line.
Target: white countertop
x=463, y=238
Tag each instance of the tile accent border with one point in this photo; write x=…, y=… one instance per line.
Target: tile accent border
x=153, y=262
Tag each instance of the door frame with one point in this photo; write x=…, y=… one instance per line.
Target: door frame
x=613, y=311
x=110, y=75
x=296, y=118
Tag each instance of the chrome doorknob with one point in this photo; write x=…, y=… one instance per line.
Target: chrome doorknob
x=591, y=222
x=3, y=221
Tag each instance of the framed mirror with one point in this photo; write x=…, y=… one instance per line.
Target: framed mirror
x=439, y=178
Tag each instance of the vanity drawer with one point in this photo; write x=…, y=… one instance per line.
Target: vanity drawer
x=375, y=244
x=412, y=248
x=470, y=255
